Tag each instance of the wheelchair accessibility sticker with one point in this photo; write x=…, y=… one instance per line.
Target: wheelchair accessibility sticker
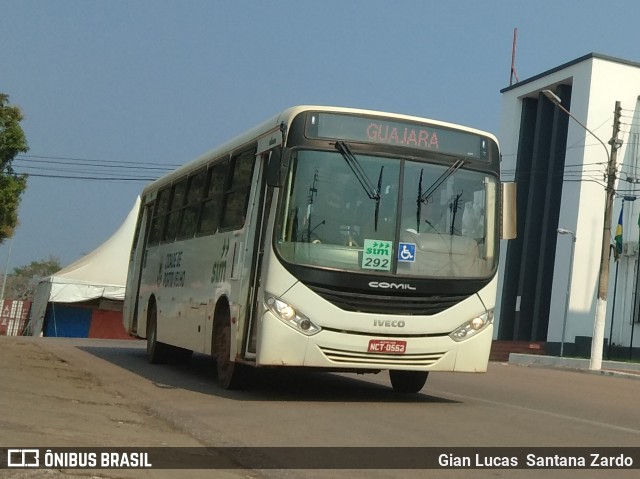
x=407, y=252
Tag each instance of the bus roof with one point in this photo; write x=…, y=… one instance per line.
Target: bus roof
x=286, y=116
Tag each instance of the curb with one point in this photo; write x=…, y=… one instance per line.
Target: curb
x=609, y=368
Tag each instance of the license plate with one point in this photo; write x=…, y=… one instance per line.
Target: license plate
x=387, y=346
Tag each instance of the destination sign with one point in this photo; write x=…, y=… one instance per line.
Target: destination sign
x=397, y=133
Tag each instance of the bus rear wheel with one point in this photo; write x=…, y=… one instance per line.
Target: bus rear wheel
x=157, y=352
x=231, y=375
x=408, y=381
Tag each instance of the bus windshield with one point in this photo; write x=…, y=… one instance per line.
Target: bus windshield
x=415, y=218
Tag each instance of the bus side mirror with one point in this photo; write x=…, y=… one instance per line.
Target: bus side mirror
x=508, y=217
x=277, y=167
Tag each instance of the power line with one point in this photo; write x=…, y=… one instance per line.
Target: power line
x=89, y=169
x=96, y=178
x=93, y=165
x=166, y=165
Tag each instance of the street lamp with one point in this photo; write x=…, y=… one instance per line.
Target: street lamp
x=563, y=231
x=555, y=99
x=597, y=341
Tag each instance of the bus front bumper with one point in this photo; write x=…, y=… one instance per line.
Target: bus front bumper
x=281, y=345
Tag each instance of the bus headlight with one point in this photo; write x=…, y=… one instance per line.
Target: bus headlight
x=290, y=316
x=472, y=327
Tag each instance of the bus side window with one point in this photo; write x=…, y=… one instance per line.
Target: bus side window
x=212, y=203
x=177, y=202
x=237, y=195
x=189, y=216
x=159, y=216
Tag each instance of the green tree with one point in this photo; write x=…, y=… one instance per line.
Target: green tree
x=23, y=281
x=12, y=185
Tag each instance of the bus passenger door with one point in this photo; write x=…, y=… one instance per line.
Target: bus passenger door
x=136, y=264
x=254, y=305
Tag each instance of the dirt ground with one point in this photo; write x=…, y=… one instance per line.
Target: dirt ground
x=50, y=397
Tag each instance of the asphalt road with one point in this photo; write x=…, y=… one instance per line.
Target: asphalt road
x=100, y=393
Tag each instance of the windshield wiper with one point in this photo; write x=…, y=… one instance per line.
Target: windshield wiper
x=358, y=171
x=419, y=207
x=377, y=212
x=443, y=177
x=371, y=191
x=454, y=206
x=419, y=201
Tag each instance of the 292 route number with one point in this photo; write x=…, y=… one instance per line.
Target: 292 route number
x=376, y=263
x=387, y=346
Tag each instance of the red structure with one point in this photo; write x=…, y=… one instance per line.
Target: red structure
x=13, y=317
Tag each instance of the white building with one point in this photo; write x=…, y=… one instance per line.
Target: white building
x=560, y=169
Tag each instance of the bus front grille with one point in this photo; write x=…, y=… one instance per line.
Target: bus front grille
x=388, y=304
x=360, y=357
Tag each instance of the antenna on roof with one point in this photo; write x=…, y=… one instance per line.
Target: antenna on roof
x=513, y=58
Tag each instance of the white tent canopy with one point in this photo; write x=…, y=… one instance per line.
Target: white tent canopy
x=100, y=274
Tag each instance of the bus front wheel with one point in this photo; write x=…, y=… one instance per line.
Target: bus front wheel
x=231, y=375
x=408, y=381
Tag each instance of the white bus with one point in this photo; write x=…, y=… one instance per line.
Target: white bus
x=331, y=238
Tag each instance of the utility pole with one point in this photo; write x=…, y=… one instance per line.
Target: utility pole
x=597, y=342
x=6, y=272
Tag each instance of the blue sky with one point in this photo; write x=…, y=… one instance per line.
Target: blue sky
x=151, y=82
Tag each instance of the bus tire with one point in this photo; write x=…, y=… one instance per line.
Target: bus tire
x=408, y=381
x=157, y=352
x=231, y=375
